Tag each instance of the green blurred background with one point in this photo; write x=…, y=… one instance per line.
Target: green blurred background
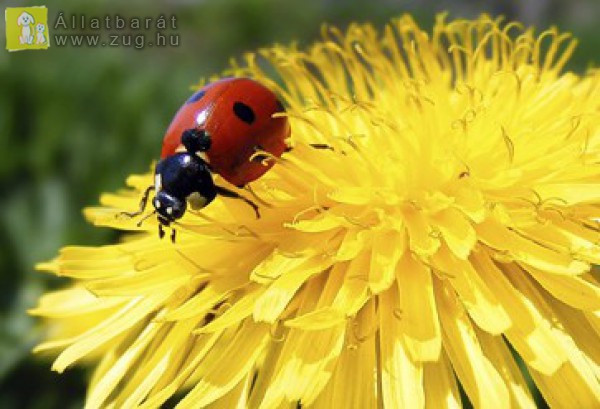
x=75, y=121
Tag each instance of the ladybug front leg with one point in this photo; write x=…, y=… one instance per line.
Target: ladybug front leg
x=143, y=203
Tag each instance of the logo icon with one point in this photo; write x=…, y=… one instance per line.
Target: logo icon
x=26, y=28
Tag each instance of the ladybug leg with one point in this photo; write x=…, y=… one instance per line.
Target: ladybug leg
x=249, y=189
x=173, y=235
x=161, y=231
x=143, y=219
x=230, y=193
x=143, y=203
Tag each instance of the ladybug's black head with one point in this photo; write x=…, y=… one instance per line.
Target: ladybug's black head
x=168, y=207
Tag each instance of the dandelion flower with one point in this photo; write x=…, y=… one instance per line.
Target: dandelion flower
x=443, y=239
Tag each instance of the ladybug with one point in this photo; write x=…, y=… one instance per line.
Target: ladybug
x=231, y=120
x=221, y=129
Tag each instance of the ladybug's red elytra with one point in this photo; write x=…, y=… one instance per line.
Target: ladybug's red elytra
x=234, y=116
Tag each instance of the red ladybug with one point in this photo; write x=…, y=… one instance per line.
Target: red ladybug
x=230, y=119
x=219, y=129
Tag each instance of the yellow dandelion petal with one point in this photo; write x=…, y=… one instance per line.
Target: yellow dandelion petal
x=432, y=230
x=439, y=383
x=221, y=372
x=477, y=296
x=578, y=383
x=500, y=356
x=479, y=377
x=351, y=382
x=529, y=334
x=401, y=374
x=417, y=311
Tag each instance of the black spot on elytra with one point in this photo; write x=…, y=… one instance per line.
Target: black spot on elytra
x=244, y=112
x=196, y=97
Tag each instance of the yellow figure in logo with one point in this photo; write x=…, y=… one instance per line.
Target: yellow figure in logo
x=40, y=38
x=25, y=20
x=26, y=28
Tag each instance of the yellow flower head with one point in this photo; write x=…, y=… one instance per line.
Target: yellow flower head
x=444, y=230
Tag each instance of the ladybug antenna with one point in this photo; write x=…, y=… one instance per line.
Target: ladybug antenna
x=143, y=219
x=143, y=203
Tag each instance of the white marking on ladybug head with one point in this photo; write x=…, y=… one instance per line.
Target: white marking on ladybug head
x=157, y=182
x=201, y=117
x=157, y=203
x=197, y=201
x=169, y=210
